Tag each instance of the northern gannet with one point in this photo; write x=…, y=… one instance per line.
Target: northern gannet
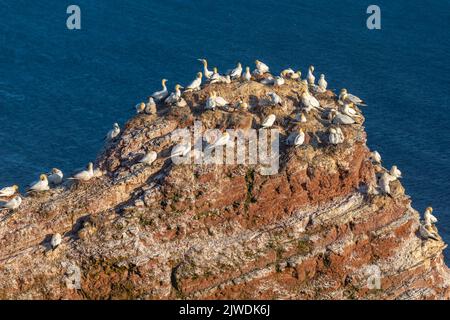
x=297, y=75
x=211, y=102
x=207, y=72
x=9, y=191
x=383, y=183
x=274, y=98
x=150, y=107
x=247, y=75
x=55, y=240
x=345, y=97
x=162, y=94
x=236, y=72
x=268, y=81
x=56, y=176
x=375, y=157
x=310, y=77
x=395, y=172
x=85, y=175
x=323, y=84
x=223, y=140
x=429, y=218
x=309, y=101
x=12, y=204
x=97, y=173
x=296, y=138
x=149, y=158
x=41, y=185
x=215, y=77
x=195, y=85
x=287, y=73
x=268, y=121
x=181, y=150
x=113, y=133
x=339, y=118
x=261, y=67
x=140, y=108
x=279, y=81
x=336, y=135
x=220, y=102
x=174, y=96
x=349, y=111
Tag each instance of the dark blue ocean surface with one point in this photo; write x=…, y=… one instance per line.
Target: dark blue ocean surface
x=61, y=90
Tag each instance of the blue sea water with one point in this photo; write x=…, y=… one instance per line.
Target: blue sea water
x=61, y=90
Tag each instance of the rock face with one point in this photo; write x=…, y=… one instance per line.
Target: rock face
x=189, y=231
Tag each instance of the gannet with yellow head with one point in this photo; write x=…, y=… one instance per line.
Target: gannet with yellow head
x=395, y=172
x=345, y=97
x=113, y=133
x=247, y=75
x=9, y=191
x=56, y=176
x=220, y=102
x=85, y=175
x=162, y=94
x=196, y=83
x=336, y=136
x=310, y=77
x=429, y=218
x=206, y=72
x=268, y=121
x=174, y=96
x=323, y=84
x=211, y=101
x=261, y=67
x=236, y=72
x=140, y=108
x=41, y=185
x=12, y=204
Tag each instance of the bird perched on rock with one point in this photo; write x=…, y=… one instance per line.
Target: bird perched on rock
x=296, y=138
x=339, y=118
x=40, y=185
x=216, y=77
x=261, y=67
x=310, y=77
x=221, y=141
x=394, y=172
x=268, y=121
x=149, y=158
x=211, y=102
x=162, y=94
x=247, y=75
x=345, y=97
x=85, y=175
x=279, y=81
x=323, y=84
x=384, y=182
x=268, y=81
x=300, y=117
x=429, y=218
x=12, y=204
x=336, y=136
x=287, y=73
x=375, y=157
x=274, y=98
x=9, y=191
x=150, y=106
x=309, y=101
x=174, y=96
x=349, y=111
x=181, y=150
x=236, y=72
x=55, y=241
x=208, y=74
x=140, y=108
x=196, y=83
x=220, y=102
x=426, y=232
x=297, y=76
x=113, y=133
x=56, y=177
x=97, y=173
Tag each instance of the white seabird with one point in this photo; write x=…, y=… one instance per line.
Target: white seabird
x=383, y=183
x=297, y=75
x=261, y=67
x=268, y=81
x=220, y=102
x=296, y=138
x=309, y=101
x=395, y=172
x=97, y=173
x=162, y=94
x=149, y=158
x=181, y=150
x=55, y=240
x=41, y=185
x=345, y=97
x=339, y=118
x=140, y=108
x=12, y=204
x=150, y=106
x=196, y=83
x=236, y=72
x=349, y=111
x=427, y=232
x=274, y=98
x=310, y=77
x=323, y=84
x=211, y=102
x=216, y=77
x=247, y=75
x=336, y=136
x=268, y=121
x=429, y=218
x=208, y=73
x=279, y=81
x=9, y=191
x=287, y=73
x=375, y=157
x=223, y=140
x=113, y=133
x=56, y=176
x=85, y=175
x=174, y=96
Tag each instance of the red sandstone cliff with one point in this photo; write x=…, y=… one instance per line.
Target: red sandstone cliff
x=170, y=231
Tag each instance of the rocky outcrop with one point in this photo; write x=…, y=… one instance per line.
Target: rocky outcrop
x=189, y=231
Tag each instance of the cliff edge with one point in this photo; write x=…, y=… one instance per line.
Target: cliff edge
x=317, y=229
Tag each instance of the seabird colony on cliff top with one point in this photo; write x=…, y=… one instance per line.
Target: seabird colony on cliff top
x=344, y=114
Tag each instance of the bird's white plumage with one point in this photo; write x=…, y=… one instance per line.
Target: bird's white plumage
x=56, y=177
x=310, y=77
x=41, y=185
x=274, y=98
x=85, y=175
x=196, y=83
x=149, y=158
x=113, y=133
x=269, y=121
x=162, y=94
x=55, y=240
x=12, y=204
x=8, y=191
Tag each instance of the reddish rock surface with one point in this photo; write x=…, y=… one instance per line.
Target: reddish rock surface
x=191, y=231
